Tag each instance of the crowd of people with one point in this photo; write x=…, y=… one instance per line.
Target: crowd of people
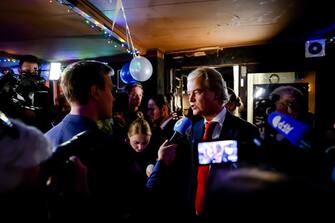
x=108, y=157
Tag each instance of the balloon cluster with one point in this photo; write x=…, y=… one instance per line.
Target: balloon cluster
x=125, y=75
x=139, y=69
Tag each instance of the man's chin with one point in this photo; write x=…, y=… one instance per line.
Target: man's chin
x=196, y=112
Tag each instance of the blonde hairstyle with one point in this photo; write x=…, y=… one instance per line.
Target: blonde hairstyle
x=213, y=81
x=139, y=126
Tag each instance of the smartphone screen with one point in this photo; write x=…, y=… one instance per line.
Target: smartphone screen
x=223, y=151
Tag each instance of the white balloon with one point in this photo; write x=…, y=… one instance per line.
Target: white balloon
x=140, y=68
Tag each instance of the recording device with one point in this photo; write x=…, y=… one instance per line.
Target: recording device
x=180, y=129
x=83, y=145
x=293, y=130
x=7, y=127
x=216, y=152
x=29, y=89
x=23, y=91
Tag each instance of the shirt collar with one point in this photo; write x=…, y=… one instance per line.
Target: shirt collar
x=220, y=117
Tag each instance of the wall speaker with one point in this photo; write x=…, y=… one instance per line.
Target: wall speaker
x=315, y=48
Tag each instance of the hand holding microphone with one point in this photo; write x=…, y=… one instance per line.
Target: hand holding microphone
x=167, y=151
x=180, y=128
x=292, y=129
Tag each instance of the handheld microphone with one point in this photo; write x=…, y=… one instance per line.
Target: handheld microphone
x=293, y=130
x=180, y=128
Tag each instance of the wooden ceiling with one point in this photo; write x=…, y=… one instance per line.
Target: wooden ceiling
x=53, y=32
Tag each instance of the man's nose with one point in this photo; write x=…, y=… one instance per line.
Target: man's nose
x=191, y=97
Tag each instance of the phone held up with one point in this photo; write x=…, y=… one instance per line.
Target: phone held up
x=216, y=152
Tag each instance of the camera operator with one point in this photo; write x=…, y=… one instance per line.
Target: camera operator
x=26, y=97
x=7, y=91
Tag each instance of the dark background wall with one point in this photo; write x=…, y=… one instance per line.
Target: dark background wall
x=276, y=57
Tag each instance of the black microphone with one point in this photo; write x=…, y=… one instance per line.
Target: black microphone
x=180, y=128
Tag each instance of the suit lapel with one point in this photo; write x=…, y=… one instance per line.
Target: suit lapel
x=227, y=130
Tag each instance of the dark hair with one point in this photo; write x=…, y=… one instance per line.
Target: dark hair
x=299, y=103
x=78, y=78
x=233, y=98
x=29, y=59
x=279, y=91
x=237, y=191
x=129, y=87
x=160, y=100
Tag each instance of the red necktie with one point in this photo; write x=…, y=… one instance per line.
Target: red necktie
x=203, y=172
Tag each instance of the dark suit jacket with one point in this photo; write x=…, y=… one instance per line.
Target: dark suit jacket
x=233, y=128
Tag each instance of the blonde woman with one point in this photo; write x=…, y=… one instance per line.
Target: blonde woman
x=139, y=136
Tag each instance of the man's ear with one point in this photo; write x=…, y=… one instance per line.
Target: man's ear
x=94, y=92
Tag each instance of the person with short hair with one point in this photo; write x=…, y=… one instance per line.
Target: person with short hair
x=279, y=151
x=208, y=95
x=29, y=64
x=26, y=96
x=87, y=86
x=289, y=100
x=262, y=193
x=135, y=96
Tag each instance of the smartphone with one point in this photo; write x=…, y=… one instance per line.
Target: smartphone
x=214, y=152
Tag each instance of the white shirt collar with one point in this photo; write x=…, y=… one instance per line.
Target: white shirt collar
x=219, y=118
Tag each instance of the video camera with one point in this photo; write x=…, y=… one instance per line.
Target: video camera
x=31, y=87
x=83, y=145
x=24, y=91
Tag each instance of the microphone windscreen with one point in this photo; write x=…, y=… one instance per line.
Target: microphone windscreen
x=182, y=125
x=289, y=127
